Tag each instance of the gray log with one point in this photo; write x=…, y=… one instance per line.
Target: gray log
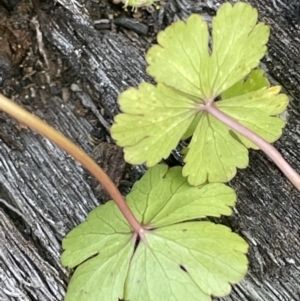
x=44, y=193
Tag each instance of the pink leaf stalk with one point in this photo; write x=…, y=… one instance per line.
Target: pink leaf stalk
x=265, y=146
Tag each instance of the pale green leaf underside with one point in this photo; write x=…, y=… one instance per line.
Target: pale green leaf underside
x=213, y=153
x=238, y=44
x=103, y=245
x=212, y=256
x=149, y=129
x=255, y=81
x=154, y=120
x=217, y=151
x=256, y=111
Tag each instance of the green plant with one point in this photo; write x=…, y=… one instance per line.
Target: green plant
x=209, y=95
x=136, y=3
x=155, y=228
x=172, y=259
x=155, y=247
x=215, y=97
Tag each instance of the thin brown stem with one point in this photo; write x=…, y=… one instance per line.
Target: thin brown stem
x=264, y=145
x=66, y=144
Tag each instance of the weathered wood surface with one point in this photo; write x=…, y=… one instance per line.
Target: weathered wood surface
x=44, y=193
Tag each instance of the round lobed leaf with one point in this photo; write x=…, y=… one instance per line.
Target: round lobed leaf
x=154, y=119
x=207, y=259
x=176, y=260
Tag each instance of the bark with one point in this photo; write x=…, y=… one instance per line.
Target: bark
x=44, y=193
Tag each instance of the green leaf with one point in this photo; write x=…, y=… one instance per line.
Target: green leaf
x=173, y=200
x=137, y=3
x=176, y=260
x=103, y=240
x=215, y=152
x=255, y=81
x=238, y=44
x=188, y=261
x=102, y=278
x=214, y=142
x=256, y=110
x=80, y=244
x=154, y=121
x=193, y=76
